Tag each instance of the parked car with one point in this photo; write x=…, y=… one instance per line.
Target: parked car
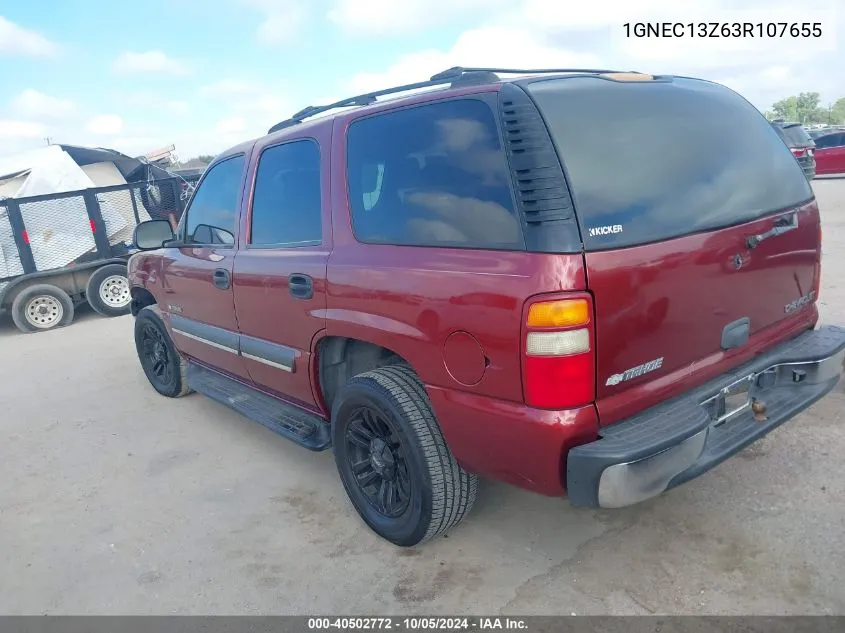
x=800, y=143
x=830, y=153
x=572, y=281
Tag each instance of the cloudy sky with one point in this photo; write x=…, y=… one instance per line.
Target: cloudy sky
x=205, y=74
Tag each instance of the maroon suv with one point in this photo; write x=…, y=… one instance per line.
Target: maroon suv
x=574, y=281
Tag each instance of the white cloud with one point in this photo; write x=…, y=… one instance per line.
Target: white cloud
x=251, y=101
x=230, y=125
x=389, y=17
x=178, y=107
x=17, y=40
x=135, y=146
x=282, y=22
x=105, y=125
x=35, y=104
x=149, y=62
x=550, y=33
x=12, y=129
x=476, y=47
x=225, y=88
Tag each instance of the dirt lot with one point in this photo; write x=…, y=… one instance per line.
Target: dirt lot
x=115, y=500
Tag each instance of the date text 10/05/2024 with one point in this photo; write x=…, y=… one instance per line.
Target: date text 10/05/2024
x=416, y=624
x=723, y=29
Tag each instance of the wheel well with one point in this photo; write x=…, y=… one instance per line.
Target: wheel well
x=340, y=358
x=141, y=298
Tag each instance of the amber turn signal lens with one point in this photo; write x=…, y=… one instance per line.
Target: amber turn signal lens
x=564, y=313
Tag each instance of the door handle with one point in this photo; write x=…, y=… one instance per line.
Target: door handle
x=301, y=286
x=222, y=278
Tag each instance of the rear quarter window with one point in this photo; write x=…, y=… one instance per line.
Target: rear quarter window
x=432, y=175
x=652, y=161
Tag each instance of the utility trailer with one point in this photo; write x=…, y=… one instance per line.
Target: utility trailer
x=59, y=250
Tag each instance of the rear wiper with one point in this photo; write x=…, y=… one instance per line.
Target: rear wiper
x=782, y=225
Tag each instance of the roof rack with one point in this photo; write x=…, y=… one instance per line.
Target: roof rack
x=457, y=75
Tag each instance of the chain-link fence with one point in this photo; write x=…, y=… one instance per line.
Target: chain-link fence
x=47, y=232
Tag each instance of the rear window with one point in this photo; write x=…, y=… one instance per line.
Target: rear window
x=653, y=161
x=796, y=136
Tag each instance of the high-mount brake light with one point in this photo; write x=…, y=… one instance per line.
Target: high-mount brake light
x=627, y=76
x=559, y=359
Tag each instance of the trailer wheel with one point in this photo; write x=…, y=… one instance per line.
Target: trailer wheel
x=42, y=307
x=108, y=291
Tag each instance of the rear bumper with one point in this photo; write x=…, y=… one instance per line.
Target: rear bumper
x=665, y=446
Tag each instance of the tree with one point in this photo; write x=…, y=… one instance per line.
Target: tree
x=836, y=112
x=206, y=158
x=803, y=108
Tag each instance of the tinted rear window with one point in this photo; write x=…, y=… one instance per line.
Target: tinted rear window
x=432, y=175
x=652, y=161
x=796, y=136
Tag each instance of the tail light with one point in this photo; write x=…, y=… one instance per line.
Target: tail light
x=798, y=151
x=559, y=359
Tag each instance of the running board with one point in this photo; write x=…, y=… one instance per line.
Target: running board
x=306, y=429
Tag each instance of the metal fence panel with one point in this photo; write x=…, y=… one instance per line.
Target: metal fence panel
x=94, y=223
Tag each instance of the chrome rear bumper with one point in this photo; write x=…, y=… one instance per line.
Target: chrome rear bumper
x=678, y=440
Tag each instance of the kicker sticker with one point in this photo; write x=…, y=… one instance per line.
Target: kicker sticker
x=635, y=372
x=605, y=230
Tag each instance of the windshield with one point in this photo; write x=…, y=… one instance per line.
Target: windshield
x=652, y=161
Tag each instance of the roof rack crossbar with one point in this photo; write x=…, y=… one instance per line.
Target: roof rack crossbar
x=358, y=100
x=447, y=76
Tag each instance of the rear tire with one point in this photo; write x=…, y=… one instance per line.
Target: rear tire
x=163, y=366
x=392, y=458
x=42, y=307
x=108, y=291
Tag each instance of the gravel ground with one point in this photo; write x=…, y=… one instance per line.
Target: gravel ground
x=114, y=500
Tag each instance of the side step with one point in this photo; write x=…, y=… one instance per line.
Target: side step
x=299, y=426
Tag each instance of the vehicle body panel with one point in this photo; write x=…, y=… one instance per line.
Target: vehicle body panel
x=830, y=154
x=271, y=320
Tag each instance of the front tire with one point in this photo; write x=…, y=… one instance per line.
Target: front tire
x=108, y=291
x=42, y=307
x=163, y=366
x=393, y=461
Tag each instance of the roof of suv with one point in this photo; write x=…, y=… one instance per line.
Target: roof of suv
x=453, y=81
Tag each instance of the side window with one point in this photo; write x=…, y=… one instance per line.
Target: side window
x=286, y=209
x=432, y=175
x=213, y=212
x=822, y=141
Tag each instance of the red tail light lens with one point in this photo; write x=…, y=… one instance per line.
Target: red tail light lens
x=559, y=359
x=798, y=151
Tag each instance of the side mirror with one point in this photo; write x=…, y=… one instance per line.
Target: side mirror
x=152, y=234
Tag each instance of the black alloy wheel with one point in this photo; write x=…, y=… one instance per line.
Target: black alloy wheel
x=376, y=457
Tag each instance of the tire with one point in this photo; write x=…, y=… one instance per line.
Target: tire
x=108, y=291
x=422, y=491
x=42, y=307
x=158, y=198
x=163, y=366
